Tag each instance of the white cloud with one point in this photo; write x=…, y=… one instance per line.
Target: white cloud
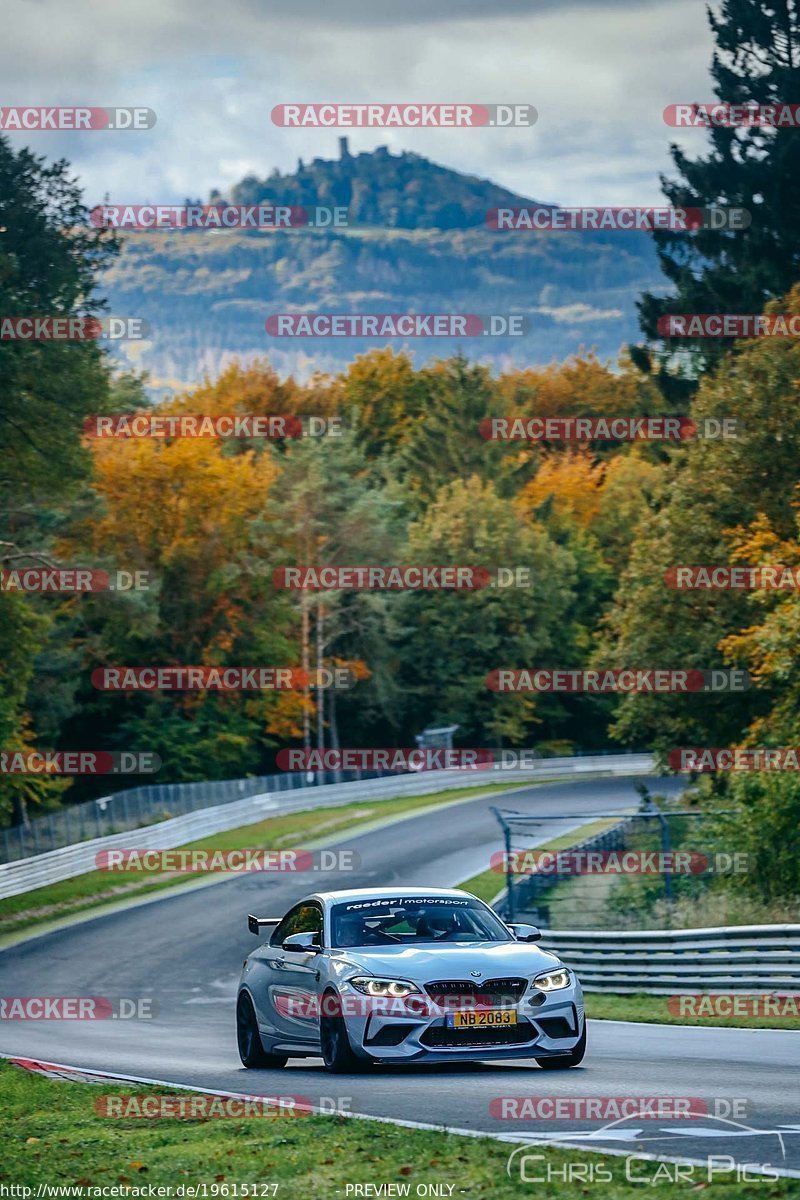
x=579, y=314
x=599, y=72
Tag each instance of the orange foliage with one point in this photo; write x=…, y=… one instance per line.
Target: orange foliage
x=577, y=387
x=575, y=482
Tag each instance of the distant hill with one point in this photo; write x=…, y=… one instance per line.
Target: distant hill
x=418, y=242
x=389, y=191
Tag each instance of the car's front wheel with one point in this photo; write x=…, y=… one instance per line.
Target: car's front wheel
x=337, y=1053
x=251, y=1049
x=566, y=1060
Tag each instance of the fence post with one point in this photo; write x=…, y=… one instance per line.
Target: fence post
x=666, y=850
x=509, y=873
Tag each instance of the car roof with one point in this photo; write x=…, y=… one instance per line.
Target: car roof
x=404, y=893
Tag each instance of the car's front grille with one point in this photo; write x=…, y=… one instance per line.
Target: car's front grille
x=440, y=1036
x=477, y=991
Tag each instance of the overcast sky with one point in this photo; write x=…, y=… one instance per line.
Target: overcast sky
x=599, y=72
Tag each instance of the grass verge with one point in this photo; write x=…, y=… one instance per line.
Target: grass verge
x=94, y=888
x=52, y=1135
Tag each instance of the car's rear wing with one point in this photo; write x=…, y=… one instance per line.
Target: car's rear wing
x=256, y=924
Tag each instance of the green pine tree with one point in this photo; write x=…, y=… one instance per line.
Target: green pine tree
x=757, y=61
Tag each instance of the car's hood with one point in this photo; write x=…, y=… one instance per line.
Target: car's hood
x=428, y=961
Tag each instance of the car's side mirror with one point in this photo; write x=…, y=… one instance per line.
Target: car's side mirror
x=302, y=943
x=526, y=933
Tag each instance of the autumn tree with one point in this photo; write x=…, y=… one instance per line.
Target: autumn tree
x=328, y=511
x=385, y=397
x=451, y=640
x=184, y=512
x=712, y=486
x=50, y=258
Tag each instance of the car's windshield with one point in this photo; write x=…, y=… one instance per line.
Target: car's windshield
x=411, y=920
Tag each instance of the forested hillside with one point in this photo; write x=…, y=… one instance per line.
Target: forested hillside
x=417, y=242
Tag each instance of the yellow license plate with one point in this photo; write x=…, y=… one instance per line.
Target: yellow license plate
x=493, y=1016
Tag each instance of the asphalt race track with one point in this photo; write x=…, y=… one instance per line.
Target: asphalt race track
x=185, y=950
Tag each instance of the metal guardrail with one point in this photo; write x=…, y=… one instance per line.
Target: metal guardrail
x=36, y=871
x=132, y=808
x=743, y=958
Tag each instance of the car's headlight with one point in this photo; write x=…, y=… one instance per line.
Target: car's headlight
x=382, y=987
x=552, y=981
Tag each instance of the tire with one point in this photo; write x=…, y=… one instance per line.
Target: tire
x=566, y=1060
x=337, y=1053
x=251, y=1049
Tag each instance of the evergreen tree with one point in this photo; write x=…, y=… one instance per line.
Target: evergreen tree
x=756, y=61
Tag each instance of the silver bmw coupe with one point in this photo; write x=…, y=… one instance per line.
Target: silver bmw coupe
x=404, y=975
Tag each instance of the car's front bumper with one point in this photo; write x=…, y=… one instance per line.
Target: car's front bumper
x=548, y=1024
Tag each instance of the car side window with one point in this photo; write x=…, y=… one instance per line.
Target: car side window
x=303, y=918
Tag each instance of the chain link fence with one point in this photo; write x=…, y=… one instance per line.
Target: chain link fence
x=136, y=807
x=649, y=869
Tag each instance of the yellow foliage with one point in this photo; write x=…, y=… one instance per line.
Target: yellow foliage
x=579, y=386
x=167, y=502
x=575, y=482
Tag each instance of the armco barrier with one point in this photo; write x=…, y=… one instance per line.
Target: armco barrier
x=26, y=874
x=743, y=958
x=134, y=807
